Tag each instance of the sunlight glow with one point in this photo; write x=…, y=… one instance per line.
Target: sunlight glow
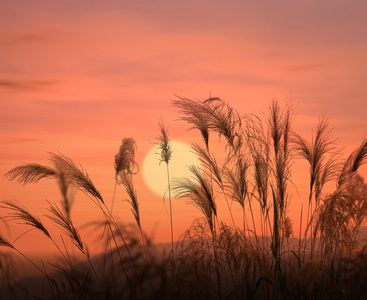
x=155, y=173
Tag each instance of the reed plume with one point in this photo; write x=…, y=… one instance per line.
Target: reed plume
x=209, y=162
x=125, y=158
x=126, y=180
x=19, y=212
x=322, y=169
x=30, y=173
x=66, y=225
x=280, y=126
x=63, y=166
x=164, y=145
x=125, y=162
x=315, y=153
x=224, y=120
x=77, y=175
x=125, y=167
x=356, y=159
x=200, y=192
x=194, y=113
x=258, y=144
x=236, y=182
x=341, y=215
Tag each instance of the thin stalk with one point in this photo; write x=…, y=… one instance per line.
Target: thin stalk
x=111, y=220
x=300, y=233
x=39, y=269
x=229, y=208
x=171, y=218
x=114, y=193
x=216, y=262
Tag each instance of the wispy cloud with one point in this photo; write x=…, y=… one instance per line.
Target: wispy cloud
x=20, y=39
x=18, y=140
x=309, y=66
x=26, y=85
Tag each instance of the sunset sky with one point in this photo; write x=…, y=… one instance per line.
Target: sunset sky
x=76, y=77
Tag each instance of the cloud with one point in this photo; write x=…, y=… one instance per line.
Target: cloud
x=17, y=140
x=22, y=38
x=308, y=66
x=25, y=85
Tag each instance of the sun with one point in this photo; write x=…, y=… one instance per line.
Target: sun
x=155, y=173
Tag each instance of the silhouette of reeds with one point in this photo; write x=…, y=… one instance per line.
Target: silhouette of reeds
x=212, y=259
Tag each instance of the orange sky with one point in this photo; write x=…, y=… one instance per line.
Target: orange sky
x=78, y=76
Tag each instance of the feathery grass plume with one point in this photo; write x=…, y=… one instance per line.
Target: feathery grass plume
x=164, y=145
x=236, y=183
x=276, y=125
x=279, y=124
x=225, y=120
x=261, y=181
x=211, y=165
x=257, y=142
x=125, y=162
x=194, y=113
x=125, y=167
x=125, y=158
x=287, y=227
x=19, y=212
x=200, y=192
x=236, y=180
x=30, y=173
x=330, y=171
x=66, y=225
x=126, y=180
x=316, y=151
x=77, y=176
x=356, y=159
x=209, y=162
x=340, y=216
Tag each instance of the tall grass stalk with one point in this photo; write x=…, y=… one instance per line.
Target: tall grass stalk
x=165, y=152
x=200, y=192
x=212, y=114
x=322, y=168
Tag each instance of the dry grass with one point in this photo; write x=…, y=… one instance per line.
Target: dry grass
x=212, y=259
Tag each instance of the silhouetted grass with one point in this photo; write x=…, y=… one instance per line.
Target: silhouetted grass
x=212, y=260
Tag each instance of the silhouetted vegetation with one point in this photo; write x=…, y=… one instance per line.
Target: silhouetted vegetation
x=256, y=257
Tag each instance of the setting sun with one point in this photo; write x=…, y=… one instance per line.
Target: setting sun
x=155, y=172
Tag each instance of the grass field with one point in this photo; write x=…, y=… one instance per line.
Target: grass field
x=265, y=257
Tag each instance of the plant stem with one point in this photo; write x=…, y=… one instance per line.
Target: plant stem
x=170, y=213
